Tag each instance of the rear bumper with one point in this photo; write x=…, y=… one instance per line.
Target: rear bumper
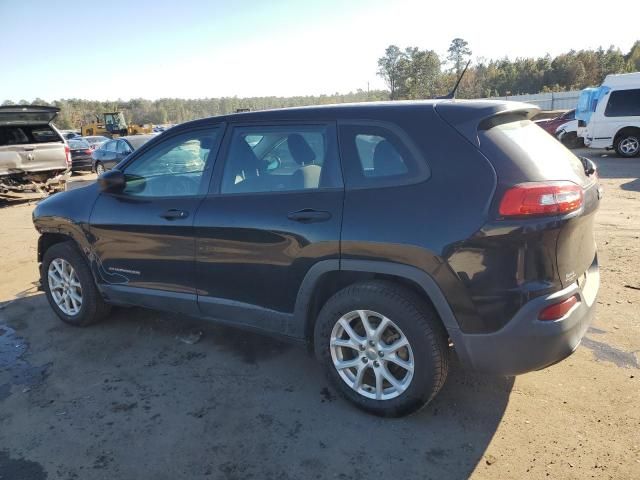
x=81, y=163
x=526, y=343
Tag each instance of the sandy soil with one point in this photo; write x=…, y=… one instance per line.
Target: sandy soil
x=130, y=399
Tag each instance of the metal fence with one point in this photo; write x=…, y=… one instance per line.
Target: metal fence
x=547, y=101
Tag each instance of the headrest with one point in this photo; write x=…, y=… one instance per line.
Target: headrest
x=245, y=159
x=387, y=160
x=300, y=150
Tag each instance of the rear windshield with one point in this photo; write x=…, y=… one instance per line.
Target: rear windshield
x=137, y=141
x=22, y=135
x=93, y=140
x=535, y=150
x=80, y=143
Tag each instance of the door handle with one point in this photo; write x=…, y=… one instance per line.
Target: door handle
x=29, y=149
x=174, y=214
x=308, y=215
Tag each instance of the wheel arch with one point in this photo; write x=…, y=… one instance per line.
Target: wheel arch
x=624, y=130
x=328, y=277
x=48, y=239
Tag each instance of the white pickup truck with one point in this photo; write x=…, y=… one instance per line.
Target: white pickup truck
x=34, y=157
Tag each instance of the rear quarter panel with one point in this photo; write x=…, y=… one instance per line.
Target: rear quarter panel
x=422, y=225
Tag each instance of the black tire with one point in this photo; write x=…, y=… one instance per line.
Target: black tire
x=419, y=324
x=93, y=307
x=98, y=167
x=621, y=142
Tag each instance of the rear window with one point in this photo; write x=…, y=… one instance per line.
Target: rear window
x=75, y=144
x=525, y=140
x=23, y=135
x=137, y=141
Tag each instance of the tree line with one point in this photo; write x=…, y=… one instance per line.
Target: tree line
x=412, y=73
x=75, y=112
x=409, y=73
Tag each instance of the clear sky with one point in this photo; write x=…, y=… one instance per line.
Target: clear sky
x=195, y=49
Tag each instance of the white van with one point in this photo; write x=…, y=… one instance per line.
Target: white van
x=615, y=121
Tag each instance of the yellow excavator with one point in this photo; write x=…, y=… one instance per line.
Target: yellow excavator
x=113, y=124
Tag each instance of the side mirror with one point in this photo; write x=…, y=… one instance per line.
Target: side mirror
x=112, y=181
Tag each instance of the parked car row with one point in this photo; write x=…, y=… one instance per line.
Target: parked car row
x=99, y=154
x=114, y=151
x=606, y=117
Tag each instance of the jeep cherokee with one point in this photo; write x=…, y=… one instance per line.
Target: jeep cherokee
x=383, y=235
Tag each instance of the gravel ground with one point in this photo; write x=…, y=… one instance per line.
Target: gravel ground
x=134, y=397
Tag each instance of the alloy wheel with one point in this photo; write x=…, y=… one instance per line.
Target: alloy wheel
x=630, y=146
x=372, y=355
x=65, y=286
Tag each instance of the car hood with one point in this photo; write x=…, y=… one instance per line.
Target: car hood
x=570, y=126
x=27, y=115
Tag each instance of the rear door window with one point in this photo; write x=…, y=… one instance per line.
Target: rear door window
x=44, y=135
x=375, y=155
x=280, y=158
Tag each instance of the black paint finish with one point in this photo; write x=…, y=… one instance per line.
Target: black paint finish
x=254, y=259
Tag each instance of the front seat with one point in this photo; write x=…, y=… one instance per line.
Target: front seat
x=308, y=174
x=245, y=174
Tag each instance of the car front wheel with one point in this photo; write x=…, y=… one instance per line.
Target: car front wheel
x=99, y=168
x=69, y=286
x=383, y=347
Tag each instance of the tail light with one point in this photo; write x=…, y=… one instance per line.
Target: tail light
x=541, y=198
x=88, y=151
x=558, y=310
x=67, y=152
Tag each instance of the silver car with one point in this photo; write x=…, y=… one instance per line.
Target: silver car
x=32, y=150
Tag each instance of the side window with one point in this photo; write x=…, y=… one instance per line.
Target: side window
x=174, y=167
x=110, y=146
x=44, y=135
x=623, y=103
x=373, y=156
x=283, y=158
x=123, y=147
x=15, y=136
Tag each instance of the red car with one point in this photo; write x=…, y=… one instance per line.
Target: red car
x=551, y=124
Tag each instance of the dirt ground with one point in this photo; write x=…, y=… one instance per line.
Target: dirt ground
x=135, y=398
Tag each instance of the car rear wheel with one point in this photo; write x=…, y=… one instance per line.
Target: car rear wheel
x=99, y=168
x=628, y=145
x=69, y=286
x=383, y=347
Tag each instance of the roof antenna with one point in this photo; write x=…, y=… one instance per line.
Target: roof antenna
x=452, y=93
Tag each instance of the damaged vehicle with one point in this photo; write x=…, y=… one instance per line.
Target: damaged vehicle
x=35, y=160
x=378, y=234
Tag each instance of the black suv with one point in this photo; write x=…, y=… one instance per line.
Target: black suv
x=380, y=234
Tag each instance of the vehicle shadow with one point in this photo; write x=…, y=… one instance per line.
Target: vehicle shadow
x=633, y=185
x=153, y=395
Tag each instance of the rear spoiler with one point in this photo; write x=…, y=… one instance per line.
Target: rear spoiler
x=470, y=116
